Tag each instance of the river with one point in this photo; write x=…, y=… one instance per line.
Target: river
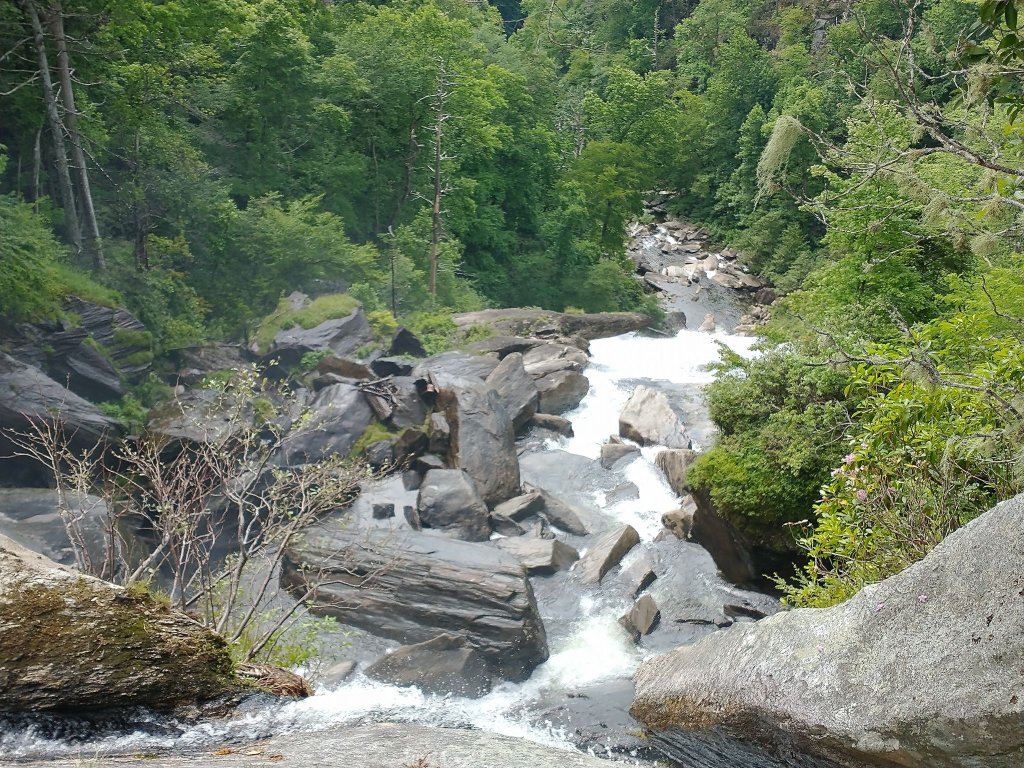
x=581, y=695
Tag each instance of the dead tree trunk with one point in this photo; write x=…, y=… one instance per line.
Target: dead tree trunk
x=67, y=192
x=92, y=230
x=441, y=117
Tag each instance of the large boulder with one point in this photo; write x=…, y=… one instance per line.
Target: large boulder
x=454, y=365
x=516, y=388
x=448, y=500
x=561, y=391
x=648, y=418
x=339, y=415
x=411, y=586
x=444, y=665
x=482, y=440
x=606, y=553
x=71, y=642
x=551, y=357
x=923, y=670
x=544, y=323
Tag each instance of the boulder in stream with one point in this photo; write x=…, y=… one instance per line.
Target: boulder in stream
x=482, y=440
x=922, y=670
x=606, y=553
x=411, y=586
x=448, y=500
x=443, y=665
x=540, y=557
x=648, y=418
x=516, y=389
x=561, y=391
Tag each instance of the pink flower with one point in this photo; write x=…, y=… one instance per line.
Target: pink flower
x=850, y=458
x=862, y=495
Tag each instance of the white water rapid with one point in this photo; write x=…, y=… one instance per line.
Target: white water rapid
x=591, y=658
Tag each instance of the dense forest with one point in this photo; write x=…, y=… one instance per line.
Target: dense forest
x=197, y=160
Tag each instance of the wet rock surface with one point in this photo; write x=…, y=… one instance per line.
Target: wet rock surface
x=446, y=664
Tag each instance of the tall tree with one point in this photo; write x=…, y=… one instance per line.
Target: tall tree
x=55, y=125
x=93, y=242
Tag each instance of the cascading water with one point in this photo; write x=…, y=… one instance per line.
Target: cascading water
x=584, y=685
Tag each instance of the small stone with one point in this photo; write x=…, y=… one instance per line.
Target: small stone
x=383, y=511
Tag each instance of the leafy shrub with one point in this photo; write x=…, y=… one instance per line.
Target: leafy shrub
x=781, y=423
x=937, y=441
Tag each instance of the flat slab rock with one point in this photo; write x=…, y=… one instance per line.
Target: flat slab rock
x=378, y=745
x=923, y=670
x=423, y=584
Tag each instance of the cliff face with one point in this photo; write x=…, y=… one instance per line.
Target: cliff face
x=923, y=670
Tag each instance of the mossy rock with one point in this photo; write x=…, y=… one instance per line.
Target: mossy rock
x=71, y=642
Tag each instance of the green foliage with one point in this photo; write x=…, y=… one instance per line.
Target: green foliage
x=373, y=434
x=29, y=284
x=319, y=310
x=435, y=330
x=128, y=411
x=937, y=441
x=781, y=420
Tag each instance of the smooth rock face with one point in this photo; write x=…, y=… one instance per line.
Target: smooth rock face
x=606, y=553
x=72, y=642
x=340, y=415
x=561, y=391
x=422, y=584
x=540, y=557
x=675, y=462
x=449, y=500
x=647, y=418
x=380, y=745
x=516, y=389
x=483, y=440
x=29, y=394
x=923, y=670
x=638, y=576
x=443, y=665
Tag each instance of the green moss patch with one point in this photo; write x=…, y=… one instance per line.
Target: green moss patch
x=320, y=310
